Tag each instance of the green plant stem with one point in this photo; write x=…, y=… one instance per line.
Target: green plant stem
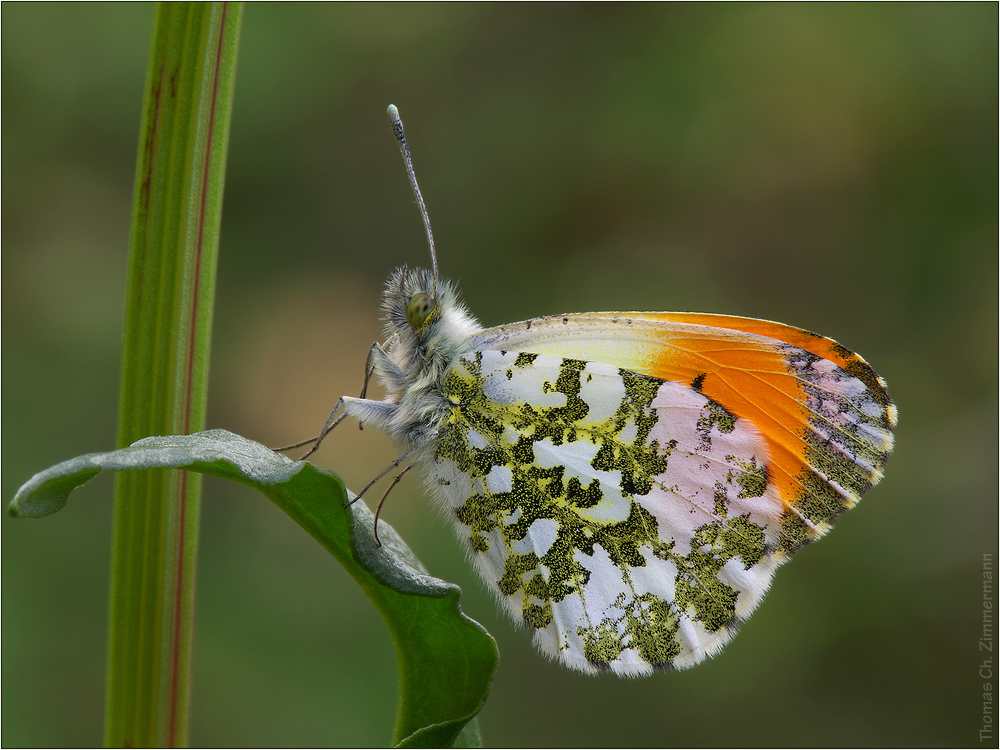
x=168, y=315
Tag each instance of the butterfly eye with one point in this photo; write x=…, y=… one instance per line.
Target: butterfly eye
x=419, y=309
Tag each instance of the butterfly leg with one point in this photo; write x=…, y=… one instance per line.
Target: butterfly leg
x=331, y=422
x=378, y=509
x=377, y=359
x=394, y=465
x=370, y=366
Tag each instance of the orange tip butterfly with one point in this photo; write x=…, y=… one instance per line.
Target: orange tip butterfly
x=626, y=483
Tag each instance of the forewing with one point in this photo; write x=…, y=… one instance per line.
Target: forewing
x=824, y=414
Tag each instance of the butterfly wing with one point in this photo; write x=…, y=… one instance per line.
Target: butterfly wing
x=629, y=482
x=825, y=415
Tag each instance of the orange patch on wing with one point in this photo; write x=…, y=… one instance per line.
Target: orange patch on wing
x=750, y=377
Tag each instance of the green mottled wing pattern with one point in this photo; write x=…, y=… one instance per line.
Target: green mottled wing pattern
x=628, y=521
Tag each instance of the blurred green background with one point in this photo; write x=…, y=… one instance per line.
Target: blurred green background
x=829, y=166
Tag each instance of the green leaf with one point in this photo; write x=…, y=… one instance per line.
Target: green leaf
x=446, y=660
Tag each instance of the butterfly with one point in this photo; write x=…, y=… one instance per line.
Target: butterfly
x=626, y=483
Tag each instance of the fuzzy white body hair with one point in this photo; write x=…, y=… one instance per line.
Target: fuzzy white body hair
x=411, y=364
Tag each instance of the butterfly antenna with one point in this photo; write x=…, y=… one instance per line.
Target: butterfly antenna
x=397, y=130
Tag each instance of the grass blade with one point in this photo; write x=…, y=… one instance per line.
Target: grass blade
x=172, y=261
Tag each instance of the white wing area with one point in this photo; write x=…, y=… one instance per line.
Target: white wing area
x=629, y=521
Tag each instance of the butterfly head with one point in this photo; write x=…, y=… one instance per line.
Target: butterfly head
x=425, y=324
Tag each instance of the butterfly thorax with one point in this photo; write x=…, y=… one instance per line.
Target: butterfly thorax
x=426, y=330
